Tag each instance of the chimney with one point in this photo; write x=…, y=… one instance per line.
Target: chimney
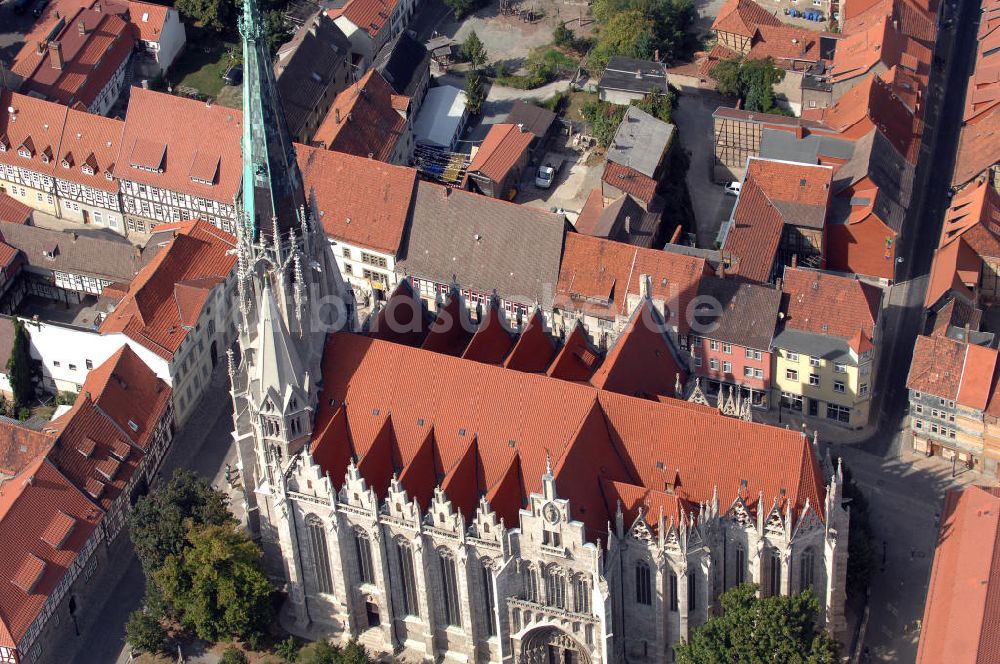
x=55, y=54
x=628, y=224
x=967, y=329
x=520, y=127
x=74, y=236
x=795, y=260
x=97, y=7
x=40, y=48
x=82, y=27
x=656, y=55
x=643, y=286
x=336, y=115
x=638, y=73
x=721, y=272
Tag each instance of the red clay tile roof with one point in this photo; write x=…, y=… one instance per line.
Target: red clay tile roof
x=401, y=320
x=369, y=15
x=32, y=506
x=596, y=276
x=127, y=391
x=953, y=370
x=20, y=446
x=502, y=148
x=368, y=125
x=751, y=244
x=971, y=232
x=961, y=622
x=488, y=430
x=89, y=147
x=590, y=215
x=35, y=127
x=629, y=181
x=742, y=17
x=642, y=362
x=492, y=340
x=800, y=192
x=452, y=329
x=146, y=140
x=155, y=311
x=534, y=349
x=361, y=201
x=870, y=104
x=811, y=296
x=90, y=57
x=978, y=147
x=789, y=46
x=577, y=359
x=858, y=52
x=13, y=211
x=148, y=19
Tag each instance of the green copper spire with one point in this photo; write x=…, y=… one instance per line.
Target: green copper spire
x=272, y=183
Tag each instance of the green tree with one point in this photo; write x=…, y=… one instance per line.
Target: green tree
x=23, y=370
x=473, y=51
x=658, y=104
x=276, y=31
x=287, y=650
x=158, y=523
x=217, y=585
x=562, y=36
x=354, y=653
x=233, y=655
x=214, y=15
x=772, y=630
x=144, y=632
x=629, y=34
x=475, y=94
x=319, y=652
x=603, y=119
x=751, y=80
x=672, y=21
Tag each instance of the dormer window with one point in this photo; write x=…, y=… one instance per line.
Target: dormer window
x=3, y=145
x=107, y=175
x=90, y=164
x=88, y=169
x=46, y=155
x=23, y=151
x=67, y=163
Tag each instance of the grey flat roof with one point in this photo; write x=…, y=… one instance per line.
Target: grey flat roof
x=779, y=144
x=483, y=244
x=640, y=141
x=632, y=75
x=815, y=345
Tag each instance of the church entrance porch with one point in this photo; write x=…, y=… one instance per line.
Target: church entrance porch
x=552, y=646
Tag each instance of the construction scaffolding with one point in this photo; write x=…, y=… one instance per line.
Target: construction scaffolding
x=440, y=165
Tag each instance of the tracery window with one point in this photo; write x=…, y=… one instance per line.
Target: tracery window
x=363, y=548
x=320, y=553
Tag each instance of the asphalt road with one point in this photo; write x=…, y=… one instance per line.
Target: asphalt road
x=922, y=226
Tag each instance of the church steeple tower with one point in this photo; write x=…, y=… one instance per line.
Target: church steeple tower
x=273, y=196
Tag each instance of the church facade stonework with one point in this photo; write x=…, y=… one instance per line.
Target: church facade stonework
x=578, y=544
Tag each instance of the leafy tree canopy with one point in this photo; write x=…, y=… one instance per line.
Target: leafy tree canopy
x=144, y=632
x=462, y=8
x=214, y=15
x=475, y=94
x=672, y=22
x=233, y=655
x=322, y=652
x=157, y=524
x=751, y=630
x=604, y=117
x=217, y=585
x=751, y=80
x=629, y=33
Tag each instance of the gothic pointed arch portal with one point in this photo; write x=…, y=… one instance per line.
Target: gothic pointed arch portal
x=549, y=645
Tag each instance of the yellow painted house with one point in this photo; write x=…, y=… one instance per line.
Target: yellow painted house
x=826, y=345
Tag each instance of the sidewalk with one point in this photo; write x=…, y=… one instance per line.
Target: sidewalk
x=826, y=431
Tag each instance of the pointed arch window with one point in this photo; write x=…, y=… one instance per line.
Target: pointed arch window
x=449, y=582
x=643, y=584
x=409, y=584
x=807, y=569
x=489, y=598
x=774, y=574
x=581, y=594
x=320, y=553
x=363, y=548
x=530, y=583
x=741, y=564
x=555, y=588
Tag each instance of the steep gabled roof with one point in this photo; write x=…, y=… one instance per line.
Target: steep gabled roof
x=534, y=350
x=810, y=296
x=501, y=149
x=751, y=243
x=362, y=120
x=402, y=319
x=962, y=613
x=742, y=17
x=492, y=340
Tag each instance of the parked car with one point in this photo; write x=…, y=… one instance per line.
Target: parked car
x=233, y=75
x=39, y=9
x=545, y=177
x=733, y=188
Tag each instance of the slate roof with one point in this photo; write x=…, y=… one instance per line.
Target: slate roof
x=488, y=431
x=534, y=119
x=640, y=142
x=961, y=622
x=403, y=62
x=483, y=243
x=633, y=75
x=362, y=120
x=361, y=201
x=748, y=312
x=102, y=254
x=306, y=65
